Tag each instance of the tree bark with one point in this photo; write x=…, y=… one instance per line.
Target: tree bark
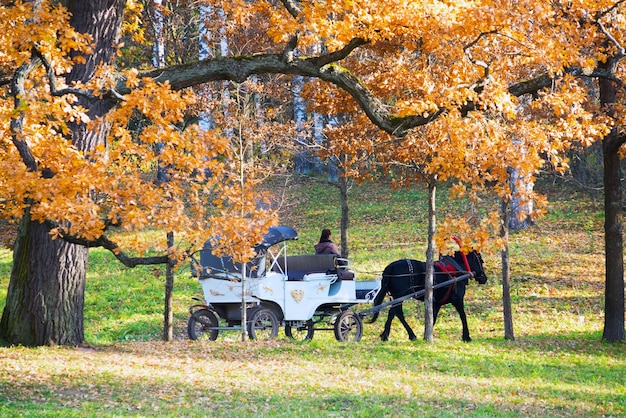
x=429, y=321
x=613, y=238
x=45, y=298
x=613, y=243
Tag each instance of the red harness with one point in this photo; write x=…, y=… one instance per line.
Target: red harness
x=450, y=269
x=463, y=255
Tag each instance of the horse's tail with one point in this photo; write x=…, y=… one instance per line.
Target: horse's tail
x=384, y=283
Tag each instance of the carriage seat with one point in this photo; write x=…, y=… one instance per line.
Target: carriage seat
x=299, y=266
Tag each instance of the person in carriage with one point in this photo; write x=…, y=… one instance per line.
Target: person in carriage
x=326, y=245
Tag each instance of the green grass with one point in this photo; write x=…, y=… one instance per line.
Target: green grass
x=557, y=366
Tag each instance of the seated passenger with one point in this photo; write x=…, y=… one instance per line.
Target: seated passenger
x=326, y=246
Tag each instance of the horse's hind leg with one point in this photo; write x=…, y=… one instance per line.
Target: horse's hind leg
x=436, y=308
x=409, y=330
x=461, y=310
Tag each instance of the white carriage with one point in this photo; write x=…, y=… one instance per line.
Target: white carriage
x=300, y=292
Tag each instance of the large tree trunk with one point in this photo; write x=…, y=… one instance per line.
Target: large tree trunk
x=613, y=240
x=46, y=293
x=613, y=243
x=46, y=290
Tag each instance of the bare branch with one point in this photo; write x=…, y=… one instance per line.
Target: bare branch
x=531, y=86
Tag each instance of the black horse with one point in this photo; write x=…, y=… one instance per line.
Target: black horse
x=406, y=276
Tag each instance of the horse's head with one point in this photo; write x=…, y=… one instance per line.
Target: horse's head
x=476, y=265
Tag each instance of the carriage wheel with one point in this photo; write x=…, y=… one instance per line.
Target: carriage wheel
x=262, y=324
x=300, y=333
x=200, y=324
x=348, y=327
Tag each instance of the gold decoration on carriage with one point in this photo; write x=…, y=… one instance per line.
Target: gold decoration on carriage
x=297, y=295
x=248, y=293
x=321, y=289
x=268, y=290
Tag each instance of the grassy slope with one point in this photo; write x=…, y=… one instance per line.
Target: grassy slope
x=557, y=366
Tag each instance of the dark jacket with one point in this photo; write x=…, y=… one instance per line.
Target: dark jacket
x=326, y=247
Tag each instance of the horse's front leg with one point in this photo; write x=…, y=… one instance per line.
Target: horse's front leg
x=384, y=336
x=407, y=327
x=460, y=308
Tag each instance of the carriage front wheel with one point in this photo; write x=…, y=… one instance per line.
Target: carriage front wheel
x=348, y=327
x=303, y=332
x=262, y=323
x=201, y=325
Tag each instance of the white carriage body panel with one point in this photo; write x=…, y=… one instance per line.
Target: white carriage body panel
x=297, y=285
x=302, y=298
x=223, y=291
x=298, y=299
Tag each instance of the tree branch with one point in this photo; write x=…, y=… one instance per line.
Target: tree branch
x=18, y=92
x=293, y=7
x=107, y=244
x=339, y=54
x=545, y=81
x=324, y=67
x=238, y=69
x=52, y=80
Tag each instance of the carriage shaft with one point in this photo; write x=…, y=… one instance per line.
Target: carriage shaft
x=399, y=300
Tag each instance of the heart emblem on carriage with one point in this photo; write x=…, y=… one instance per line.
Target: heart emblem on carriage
x=297, y=295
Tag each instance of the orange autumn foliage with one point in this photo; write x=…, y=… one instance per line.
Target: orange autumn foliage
x=446, y=68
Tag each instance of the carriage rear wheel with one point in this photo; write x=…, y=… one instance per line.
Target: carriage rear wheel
x=200, y=324
x=262, y=323
x=348, y=327
x=303, y=332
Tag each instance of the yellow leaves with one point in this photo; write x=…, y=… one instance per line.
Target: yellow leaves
x=133, y=26
x=113, y=184
x=46, y=27
x=236, y=233
x=473, y=233
x=55, y=233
